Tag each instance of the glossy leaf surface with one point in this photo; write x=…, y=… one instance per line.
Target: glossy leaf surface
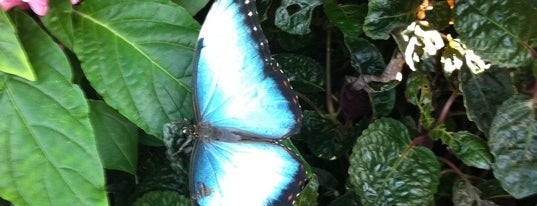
x=386, y=170
x=501, y=31
x=513, y=142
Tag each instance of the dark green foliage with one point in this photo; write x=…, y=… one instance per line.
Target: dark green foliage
x=398, y=109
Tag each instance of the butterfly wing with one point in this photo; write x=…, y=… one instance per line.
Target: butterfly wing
x=245, y=173
x=238, y=85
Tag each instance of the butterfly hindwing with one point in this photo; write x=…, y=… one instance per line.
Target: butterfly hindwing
x=237, y=83
x=243, y=173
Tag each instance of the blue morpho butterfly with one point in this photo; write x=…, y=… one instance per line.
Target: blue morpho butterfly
x=244, y=106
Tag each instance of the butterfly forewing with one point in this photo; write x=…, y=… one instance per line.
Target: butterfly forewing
x=237, y=83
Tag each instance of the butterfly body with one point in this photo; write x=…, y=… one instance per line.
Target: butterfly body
x=244, y=106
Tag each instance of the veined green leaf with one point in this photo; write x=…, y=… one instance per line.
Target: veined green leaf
x=365, y=57
x=500, y=31
x=348, y=18
x=138, y=56
x=294, y=16
x=59, y=21
x=116, y=138
x=469, y=148
x=513, y=142
x=47, y=147
x=13, y=59
x=484, y=93
x=385, y=169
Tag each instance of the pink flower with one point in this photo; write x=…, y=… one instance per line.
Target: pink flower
x=40, y=7
x=8, y=4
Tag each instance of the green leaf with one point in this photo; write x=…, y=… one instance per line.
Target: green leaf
x=13, y=59
x=418, y=92
x=305, y=73
x=386, y=169
x=47, y=148
x=382, y=102
x=294, y=16
x=385, y=16
x=309, y=195
x=484, y=93
x=192, y=6
x=348, y=18
x=491, y=188
x=466, y=194
x=365, y=57
x=163, y=198
x=138, y=56
x=156, y=174
x=326, y=140
x=116, y=138
x=500, y=31
x=513, y=142
x=469, y=148
x=59, y=22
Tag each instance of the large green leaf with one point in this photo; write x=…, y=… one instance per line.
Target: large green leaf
x=348, y=18
x=47, y=148
x=385, y=16
x=13, y=59
x=294, y=16
x=484, y=93
x=500, y=31
x=192, y=6
x=386, y=169
x=58, y=21
x=116, y=138
x=138, y=55
x=513, y=142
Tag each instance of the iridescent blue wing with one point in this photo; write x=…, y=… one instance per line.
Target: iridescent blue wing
x=238, y=85
x=245, y=173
